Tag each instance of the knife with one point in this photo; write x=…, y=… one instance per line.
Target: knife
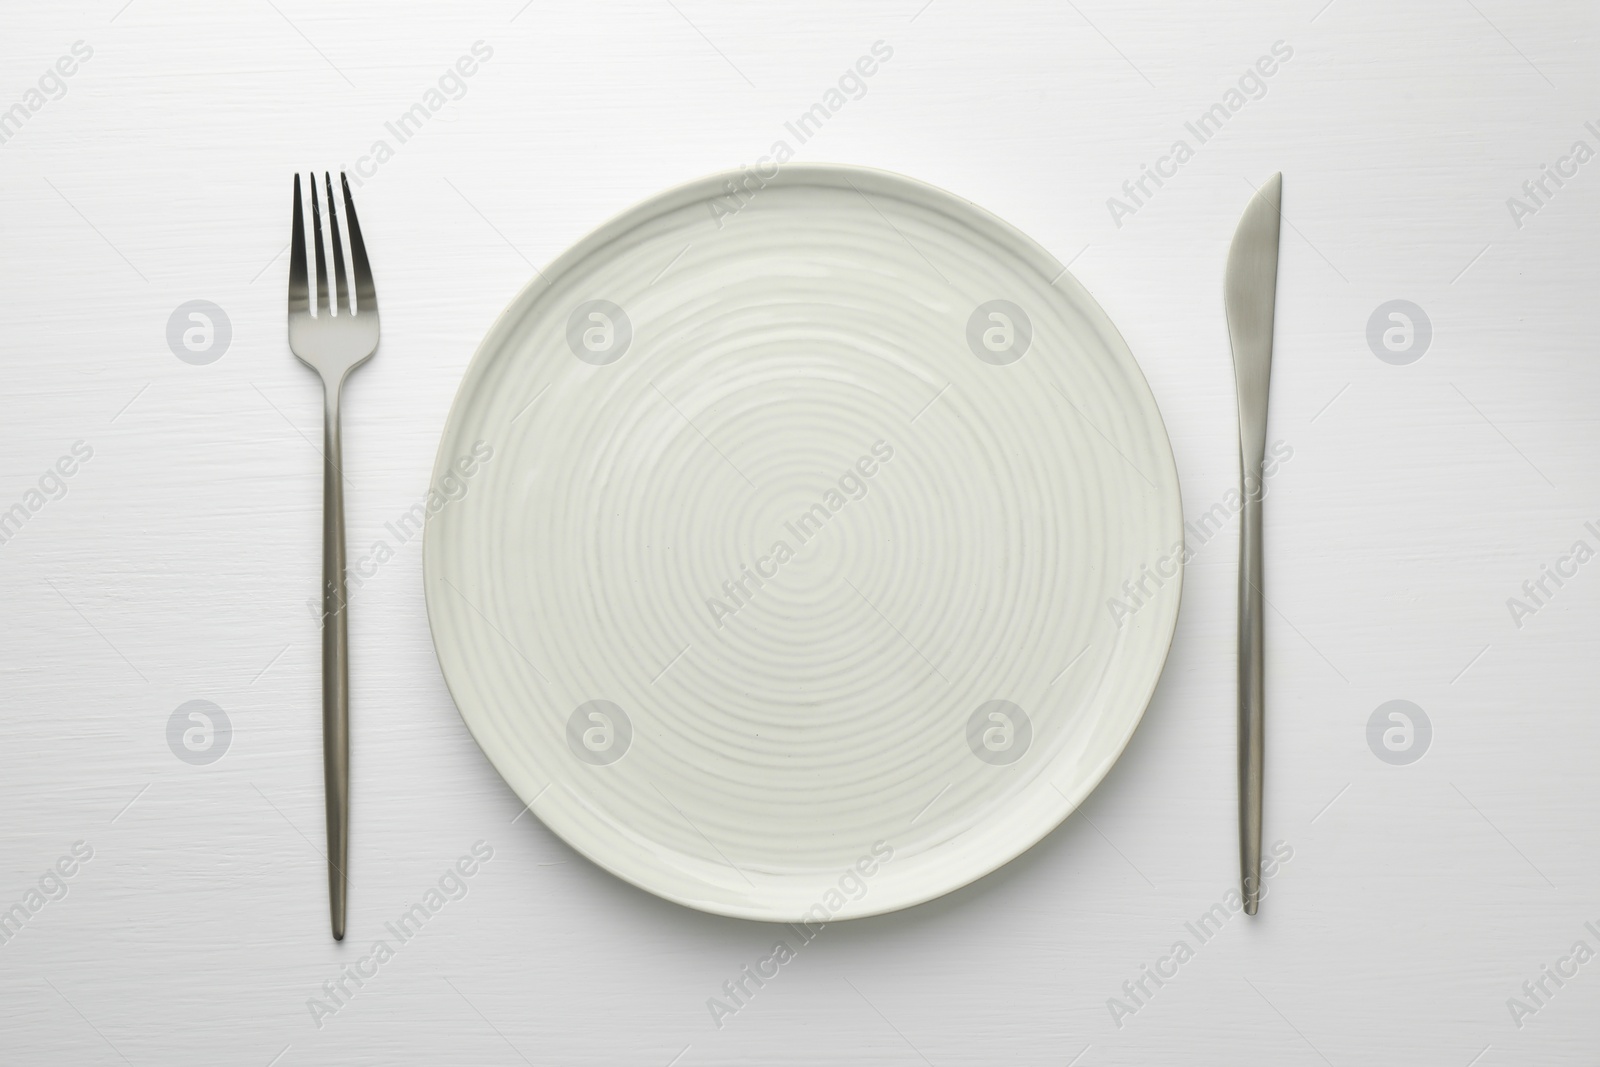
x=1250, y=290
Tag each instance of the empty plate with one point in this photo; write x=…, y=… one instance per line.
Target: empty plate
x=803, y=548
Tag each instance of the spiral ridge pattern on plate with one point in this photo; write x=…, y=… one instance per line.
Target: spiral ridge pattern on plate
x=816, y=548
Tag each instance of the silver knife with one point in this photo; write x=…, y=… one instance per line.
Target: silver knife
x=1250, y=291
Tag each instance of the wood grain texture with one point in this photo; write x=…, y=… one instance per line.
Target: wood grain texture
x=178, y=561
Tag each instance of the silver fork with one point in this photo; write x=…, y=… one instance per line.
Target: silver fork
x=333, y=343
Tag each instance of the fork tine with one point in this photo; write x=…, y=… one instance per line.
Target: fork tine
x=322, y=262
x=299, y=294
x=366, y=293
x=341, y=304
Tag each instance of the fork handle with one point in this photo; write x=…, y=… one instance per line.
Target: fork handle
x=1252, y=696
x=335, y=665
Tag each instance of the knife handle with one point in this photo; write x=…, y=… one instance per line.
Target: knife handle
x=1252, y=703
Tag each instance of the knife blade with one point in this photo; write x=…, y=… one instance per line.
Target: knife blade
x=1250, y=292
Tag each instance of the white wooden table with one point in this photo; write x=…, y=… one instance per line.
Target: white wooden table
x=161, y=542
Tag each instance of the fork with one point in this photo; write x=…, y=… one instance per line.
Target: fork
x=333, y=342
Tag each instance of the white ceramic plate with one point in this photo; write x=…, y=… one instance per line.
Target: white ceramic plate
x=779, y=550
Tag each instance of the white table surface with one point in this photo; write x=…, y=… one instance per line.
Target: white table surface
x=1419, y=498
